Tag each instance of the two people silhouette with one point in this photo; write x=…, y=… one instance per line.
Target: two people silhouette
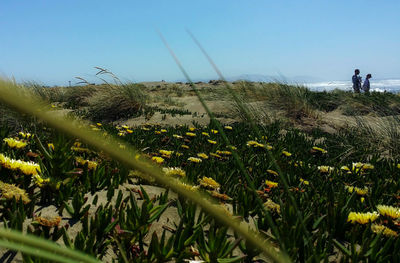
x=357, y=81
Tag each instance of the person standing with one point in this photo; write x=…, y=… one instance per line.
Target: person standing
x=366, y=85
x=356, y=81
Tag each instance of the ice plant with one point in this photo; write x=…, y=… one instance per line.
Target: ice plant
x=357, y=167
x=325, y=169
x=384, y=230
x=48, y=222
x=208, y=182
x=272, y=172
x=215, y=155
x=359, y=191
x=166, y=153
x=24, y=135
x=202, y=155
x=255, y=144
x=194, y=160
x=271, y=184
x=91, y=164
x=174, y=171
x=157, y=159
x=317, y=149
x=205, y=134
x=304, y=181
x=28, y=168
x=223, y=152
x=10, y=191
x=13, y=143
x=389, y=211
x=362, y=218
x=39, y=181
x=272, y=206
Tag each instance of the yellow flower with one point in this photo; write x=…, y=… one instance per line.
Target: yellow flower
x=357, y=167
x=163, y=130
x=398, y=165
x=214, y=131
x=157, y=132
x=10, y=191
x=192, y=128
x=223, y=152
x=191, y=134
x=271, y=184
x=362, y=199
x=177, y=136
x=129, y=131
x=317, y=149
x=286, y=153
x=359, y=191
x=233, y=148
x=362, y=218
x=304, y=181
x=91, y=164
x=345, y=168
x=174, y=171
x=227, y=127
x=28, y=168
x=145, y=129
x=205, y=134
x=125, y=126
x=51, y=146
x=384, y=230
x=99, y=124
x=39, y=180
x=202, y=155
x=272, y=206
x=195, y=160
x=158, y=160
x=166, y=153
x=389, y=211
x=208, y=182
x=24, y=135
x=13, y=143
x=272, y=172
x=212, y=142
x=45, y=221
x=184, y=146
x=325, y=169
x=215, y=155
x=255, y=144
x=80, y=150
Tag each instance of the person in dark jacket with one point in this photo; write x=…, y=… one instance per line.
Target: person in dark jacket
x=356, y=81
x=366, y=85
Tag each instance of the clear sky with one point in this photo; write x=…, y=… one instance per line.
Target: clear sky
x=53, y=41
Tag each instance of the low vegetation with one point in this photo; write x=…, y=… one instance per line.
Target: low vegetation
x=316, y=196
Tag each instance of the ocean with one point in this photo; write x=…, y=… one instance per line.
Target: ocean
x=388, y=85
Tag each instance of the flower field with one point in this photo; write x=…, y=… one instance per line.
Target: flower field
x=314, y=196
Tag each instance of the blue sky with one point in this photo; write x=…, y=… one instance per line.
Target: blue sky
x=53, y=41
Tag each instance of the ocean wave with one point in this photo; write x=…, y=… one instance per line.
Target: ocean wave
x=388, y=85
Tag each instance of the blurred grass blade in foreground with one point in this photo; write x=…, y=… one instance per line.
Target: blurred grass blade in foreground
x=40, y=247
